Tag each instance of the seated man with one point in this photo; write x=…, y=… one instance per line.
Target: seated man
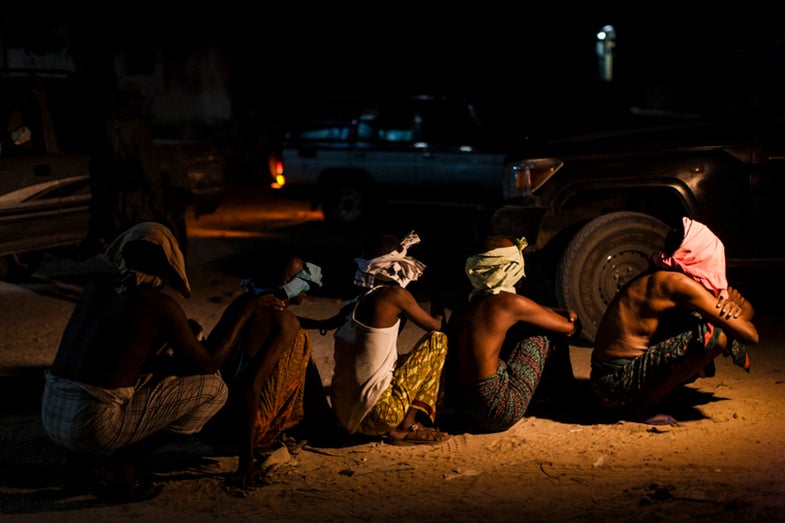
x=273, y=382
x=666, y=326
x=106, y=398
x=500, y=341
x=374, y=391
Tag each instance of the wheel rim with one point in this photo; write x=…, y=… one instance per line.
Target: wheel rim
x=618, y=269
x=348, y=205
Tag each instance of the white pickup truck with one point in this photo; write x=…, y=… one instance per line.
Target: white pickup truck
x=355, y=155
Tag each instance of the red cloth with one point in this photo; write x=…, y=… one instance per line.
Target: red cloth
x=701, y=255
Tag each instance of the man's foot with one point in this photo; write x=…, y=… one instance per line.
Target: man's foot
x=131, y=492
x=661, y=419
x=738, y=353
x=416, y=434
x=648, y=416
x=79, y=472
x=116, y=481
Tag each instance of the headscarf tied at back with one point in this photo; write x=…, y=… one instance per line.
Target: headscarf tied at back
x=701, y=255
x=394, y=266
x=497, y=270
x=171, y=266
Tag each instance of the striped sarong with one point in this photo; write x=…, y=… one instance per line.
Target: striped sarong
x=496, y=403
x=624, y=383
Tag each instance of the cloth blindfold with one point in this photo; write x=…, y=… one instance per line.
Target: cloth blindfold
x=497, y=270
x=170, y=270
x=701, y=255
x=394, y=266
x=301, y=282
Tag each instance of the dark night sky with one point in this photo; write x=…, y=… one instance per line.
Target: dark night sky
x=522, y=59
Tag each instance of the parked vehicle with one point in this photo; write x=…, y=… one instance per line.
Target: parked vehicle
x=353, y=155
x=44, y=170
x=595, y=207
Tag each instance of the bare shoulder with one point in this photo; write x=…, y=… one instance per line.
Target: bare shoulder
x=675, y=284
x=393, y=290
x=504, y=303
x=283, y=318
x=159, y=303
x=394, y=294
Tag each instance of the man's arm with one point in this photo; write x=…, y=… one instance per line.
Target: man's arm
x=328, y=324
x=209, y=355
x=409, y=306
x=560, y=321
x=689, y=293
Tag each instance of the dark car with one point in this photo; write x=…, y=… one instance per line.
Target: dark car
x=594, y=207
x=44, y=169
x=353, y=155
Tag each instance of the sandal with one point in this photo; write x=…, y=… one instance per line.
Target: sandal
x=133, y=492
x=419, y=435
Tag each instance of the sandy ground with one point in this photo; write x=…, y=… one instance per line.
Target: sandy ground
x=564, y=462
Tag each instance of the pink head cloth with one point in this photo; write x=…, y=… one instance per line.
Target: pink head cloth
x=700, y=255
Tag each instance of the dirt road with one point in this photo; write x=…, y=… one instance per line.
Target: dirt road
x=564, y=462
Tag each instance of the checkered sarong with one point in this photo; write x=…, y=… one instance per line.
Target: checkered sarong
x=94, y=420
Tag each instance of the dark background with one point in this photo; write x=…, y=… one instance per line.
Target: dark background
x=530, y=69
x=535, y=62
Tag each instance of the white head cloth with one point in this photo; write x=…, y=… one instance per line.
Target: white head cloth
x=394, y=266
x=497, y=270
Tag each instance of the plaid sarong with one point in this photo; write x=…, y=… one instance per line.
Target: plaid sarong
x=94, y=420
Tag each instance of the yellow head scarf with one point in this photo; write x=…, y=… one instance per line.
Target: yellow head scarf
x=497, y=270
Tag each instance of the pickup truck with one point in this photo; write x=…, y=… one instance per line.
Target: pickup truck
x=354, y=156
x=594, y=207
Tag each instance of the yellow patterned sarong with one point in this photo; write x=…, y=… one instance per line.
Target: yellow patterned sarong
x=415, y=385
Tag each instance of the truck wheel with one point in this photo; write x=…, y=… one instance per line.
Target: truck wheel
x=602, y=257
x=345, y=205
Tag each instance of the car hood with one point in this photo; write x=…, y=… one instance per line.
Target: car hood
x=644, y=139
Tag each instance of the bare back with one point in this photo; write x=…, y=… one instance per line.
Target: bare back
x=638, y=310
x=387, y=304
x=110, y=336
x=477, y=333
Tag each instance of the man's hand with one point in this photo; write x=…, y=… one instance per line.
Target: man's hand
x=267, y=302
x=728, y=308
x=573, y=318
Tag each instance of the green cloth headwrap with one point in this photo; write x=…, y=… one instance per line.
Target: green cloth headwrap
x=497, y=270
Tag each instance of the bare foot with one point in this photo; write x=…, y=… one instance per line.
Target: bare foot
x=648, y=416
x=416, y=434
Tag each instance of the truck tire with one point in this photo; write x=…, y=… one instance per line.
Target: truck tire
x=602, y=257
x=345, y=205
